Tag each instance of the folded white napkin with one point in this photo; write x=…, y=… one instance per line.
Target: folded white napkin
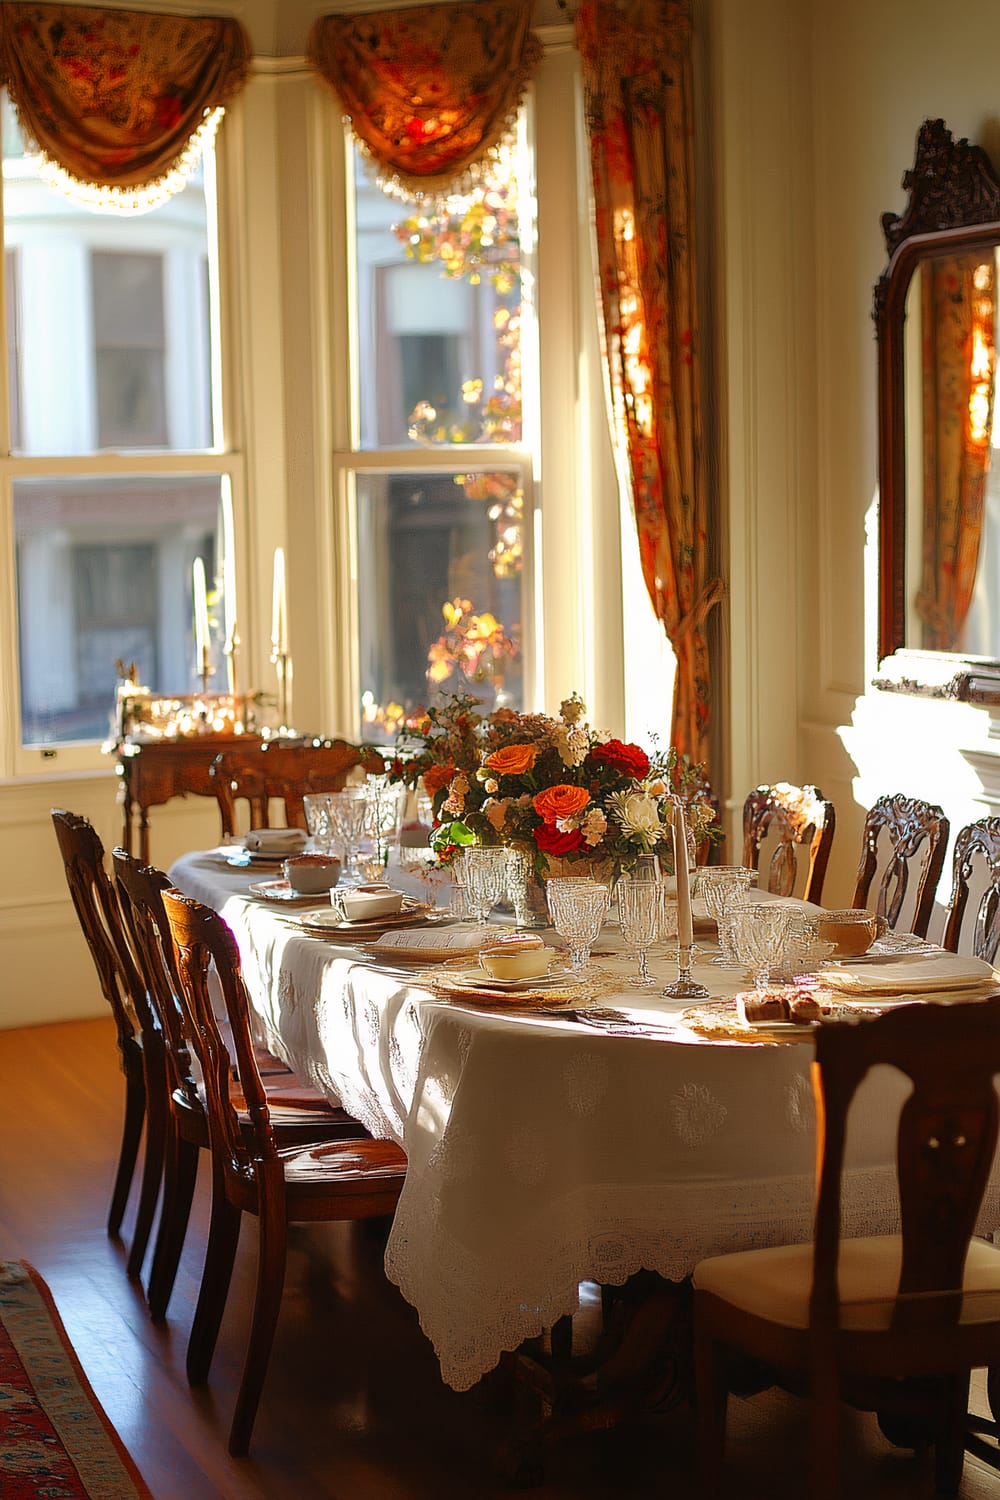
x=919, y=975
x=275, y=840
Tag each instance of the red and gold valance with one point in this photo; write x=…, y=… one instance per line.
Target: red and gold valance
x=113, y=97
x=432, y=90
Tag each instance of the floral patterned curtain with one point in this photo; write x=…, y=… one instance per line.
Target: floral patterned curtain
x=430, y=91
x=114, y=97
x=636, y=58
x=958, y=318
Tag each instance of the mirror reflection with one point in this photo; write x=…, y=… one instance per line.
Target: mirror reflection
x=952, y=565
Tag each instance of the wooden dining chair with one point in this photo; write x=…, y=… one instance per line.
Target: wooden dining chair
x=892, y=1323
x=790, y=818
x=977, y=853
x=299, y=1113
x=284, y=772
x=909, y=836
x=336, y=1180
x=140, y=1041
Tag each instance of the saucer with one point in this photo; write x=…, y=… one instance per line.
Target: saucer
x=480, y=980
x=280, y=890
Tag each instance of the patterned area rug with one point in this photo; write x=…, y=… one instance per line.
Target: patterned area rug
x=55, y=1440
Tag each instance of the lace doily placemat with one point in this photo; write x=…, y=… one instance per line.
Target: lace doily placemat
x=457, y=980
x=719, y=1019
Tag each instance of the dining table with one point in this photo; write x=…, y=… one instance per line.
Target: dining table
x=552, y=1146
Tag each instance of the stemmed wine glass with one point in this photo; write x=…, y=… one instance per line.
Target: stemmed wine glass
x=724, y=888
x=761, y=931
x=640, y=911
x=578, y=909
x=348, y=815
x=485, y=869
x=383, y=799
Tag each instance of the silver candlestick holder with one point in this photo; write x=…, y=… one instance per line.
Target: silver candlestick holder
x=684, y=987
x=282, y=663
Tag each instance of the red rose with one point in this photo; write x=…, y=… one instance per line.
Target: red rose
x=551, y=841
x=617, y=756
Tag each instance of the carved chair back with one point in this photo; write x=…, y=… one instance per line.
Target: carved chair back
x=284, y=773
x=96, y=905
x=911, y=836
x=140, y=1039
x=141, y=890
x=946, y=1142
x=977, y=848
x=790, y=818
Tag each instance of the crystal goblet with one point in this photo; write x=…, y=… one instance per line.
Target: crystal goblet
x=761, y=932
x=578, y=909
x=485, y=868
x=348, y=815
x=724, y=888
x=640, y=912
x=316, y=807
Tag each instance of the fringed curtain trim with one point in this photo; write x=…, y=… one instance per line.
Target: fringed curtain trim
x=430, y=92
x=117, y=99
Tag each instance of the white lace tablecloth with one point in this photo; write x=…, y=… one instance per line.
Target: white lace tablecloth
x=543, y=1153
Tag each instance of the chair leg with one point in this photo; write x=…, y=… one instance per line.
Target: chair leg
x=180, y=1173
x=220, y=1253
x=949, y=1443
x=135, y=1110
x=152, y=1169
x=824, y=1434
x=712, y=1396
x=267, y=1302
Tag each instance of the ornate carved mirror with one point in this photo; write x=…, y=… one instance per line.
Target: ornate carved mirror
x=939, y=479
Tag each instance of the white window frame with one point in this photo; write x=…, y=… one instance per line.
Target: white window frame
x=18, y=760
x=572, y=536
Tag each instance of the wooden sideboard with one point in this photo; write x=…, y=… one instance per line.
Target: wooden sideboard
x=154, y=771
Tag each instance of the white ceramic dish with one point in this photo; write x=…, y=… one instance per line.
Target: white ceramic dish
x=280, y=891
x=480, y=980
x=785, y=1027
x=328, y=920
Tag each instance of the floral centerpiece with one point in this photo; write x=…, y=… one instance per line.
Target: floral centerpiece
x=557, y=789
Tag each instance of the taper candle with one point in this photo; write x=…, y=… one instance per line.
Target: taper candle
x=279, y=613
x=229, y=569
x=685, y=923
x=200, y=601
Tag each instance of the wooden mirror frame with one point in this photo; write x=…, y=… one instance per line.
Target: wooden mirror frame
x=954, y=205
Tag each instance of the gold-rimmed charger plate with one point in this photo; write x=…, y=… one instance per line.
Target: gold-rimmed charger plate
x=556, y=991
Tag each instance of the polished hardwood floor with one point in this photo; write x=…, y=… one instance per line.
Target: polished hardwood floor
x=353, y=1408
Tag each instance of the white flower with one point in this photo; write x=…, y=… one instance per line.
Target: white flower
x=639, y=817
x=572, y=745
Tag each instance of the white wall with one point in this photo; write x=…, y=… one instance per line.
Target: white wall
x=815, y=111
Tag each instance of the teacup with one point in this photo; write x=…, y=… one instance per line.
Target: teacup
x=852, y=932
x=524, y=963
x=312, y=874
x=359, y=902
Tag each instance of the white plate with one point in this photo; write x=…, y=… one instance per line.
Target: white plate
x=280, y=890
x=479, y=979
x=785, y=1026
x=331, y=921
x=242, y=859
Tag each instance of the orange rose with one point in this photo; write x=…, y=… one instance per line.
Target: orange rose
x=512, y=760
x=435, y=777
x=558, y=802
